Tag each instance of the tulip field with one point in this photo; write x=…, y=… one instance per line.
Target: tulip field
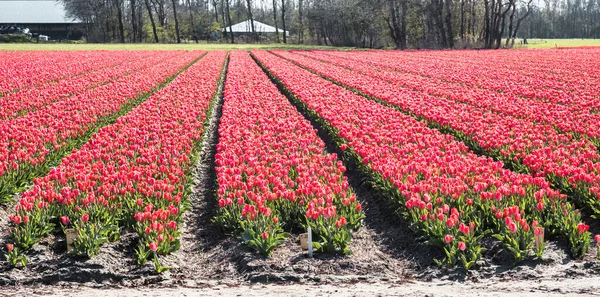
x=464, y=147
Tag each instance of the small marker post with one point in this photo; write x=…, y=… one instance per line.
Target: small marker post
x=310, y=246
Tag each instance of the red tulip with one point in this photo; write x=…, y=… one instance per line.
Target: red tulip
x=64, y=220
x=340, y=222
x=265, y=235
x=10, y=247
x=85, y=217
x=462, y=246
x=153, y=246
x=582, y=228
x=540, y=206
x=448, y=238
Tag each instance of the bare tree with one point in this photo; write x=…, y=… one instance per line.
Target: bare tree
x=397, y=22
x=449, y=23
x=176, y=21
x=229, y=21
x=300, y=22
x=214, y=3
x=133, y=22
x=512, y=34
x=283, y=21
x=275, y=20
x=120, y=17
x=462, y=19
x=193, y=27
x=151, y=20
x=249, y=8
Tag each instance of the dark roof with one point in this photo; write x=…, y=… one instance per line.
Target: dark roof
x=34, y=12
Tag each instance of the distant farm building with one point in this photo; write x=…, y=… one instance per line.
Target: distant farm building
x=42, y=17
x=245, y=28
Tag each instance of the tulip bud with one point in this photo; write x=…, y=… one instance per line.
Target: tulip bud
x=64, y=220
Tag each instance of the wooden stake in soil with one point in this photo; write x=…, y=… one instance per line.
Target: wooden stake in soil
x=304, y=241
x=71, y=236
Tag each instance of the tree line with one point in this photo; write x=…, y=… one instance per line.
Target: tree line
x=360, y=23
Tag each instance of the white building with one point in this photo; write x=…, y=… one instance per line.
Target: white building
x=245, y=28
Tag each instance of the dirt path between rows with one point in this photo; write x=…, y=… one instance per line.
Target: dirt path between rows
x=541, y=288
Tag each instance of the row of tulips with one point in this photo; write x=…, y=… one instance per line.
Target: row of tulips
x=571, y=87
x=27, y=100
x=446, y=192
x=273, y=172
x=20, y=70
x=31, y=144
x=133, y=174
x=571, y=165
x=576, y=120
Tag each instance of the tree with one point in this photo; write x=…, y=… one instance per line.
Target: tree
x=283, y=21
x=151, y=20
x=176, y=21
x=249, y=7
x=512, y=34
x=397, y=22
x=449, y=24
x=133, y=21
x=361, y=23
x=275, y=20
x=120, y=18
x=214, y=3
x=300, y=23
x=229, y=21
x=193, y=27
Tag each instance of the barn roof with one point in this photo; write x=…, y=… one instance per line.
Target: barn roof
x=245, y=27
x=34, y=12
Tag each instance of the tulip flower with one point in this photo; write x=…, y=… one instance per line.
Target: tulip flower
x=64, y=220
x=145, y=153
x=391, y=143
x=448, y=238
x=462, y=246
x=582, y=228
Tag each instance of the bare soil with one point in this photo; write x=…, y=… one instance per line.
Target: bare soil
x=387, y=259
